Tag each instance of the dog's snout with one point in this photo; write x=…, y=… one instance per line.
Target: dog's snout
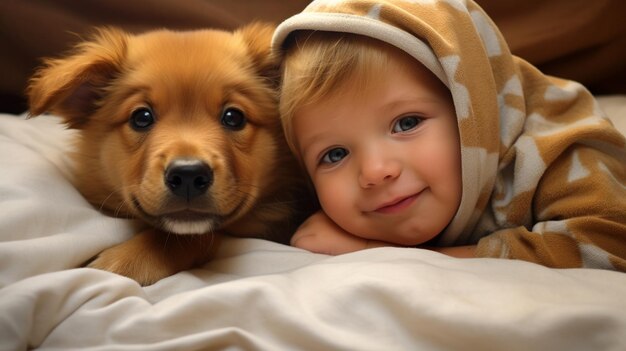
x=188, y=178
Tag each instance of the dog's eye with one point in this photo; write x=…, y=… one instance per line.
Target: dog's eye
x=233, y=118
x=141, y=119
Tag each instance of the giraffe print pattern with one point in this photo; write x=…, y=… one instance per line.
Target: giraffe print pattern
x=544, y=171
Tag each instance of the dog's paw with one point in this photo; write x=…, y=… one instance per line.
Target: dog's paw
x=149, y=256
x=135, y=265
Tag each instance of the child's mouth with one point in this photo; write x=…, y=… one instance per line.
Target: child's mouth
x=398, y=205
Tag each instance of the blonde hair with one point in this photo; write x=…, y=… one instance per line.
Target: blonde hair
x=317, y=63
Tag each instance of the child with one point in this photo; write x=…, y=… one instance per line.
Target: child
x=419, y=128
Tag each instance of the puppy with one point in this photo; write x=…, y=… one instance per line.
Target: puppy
x=180, y=130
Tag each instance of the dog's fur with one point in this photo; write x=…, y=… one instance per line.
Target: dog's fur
x=242, y=182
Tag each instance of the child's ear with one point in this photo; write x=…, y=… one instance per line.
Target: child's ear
x=258, y=38
x=71, y=86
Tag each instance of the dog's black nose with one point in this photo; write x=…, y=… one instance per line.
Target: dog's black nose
x=188, y=178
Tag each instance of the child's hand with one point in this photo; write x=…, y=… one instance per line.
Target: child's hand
x=321, y=235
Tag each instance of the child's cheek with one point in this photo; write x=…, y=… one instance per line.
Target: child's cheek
x=333, y=192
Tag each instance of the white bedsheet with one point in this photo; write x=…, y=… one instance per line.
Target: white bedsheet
x=258, y=295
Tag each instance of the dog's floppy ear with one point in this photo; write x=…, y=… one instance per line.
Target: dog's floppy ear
x=71, y=86
x=258, y=38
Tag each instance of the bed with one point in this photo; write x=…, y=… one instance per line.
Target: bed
x=260, y=295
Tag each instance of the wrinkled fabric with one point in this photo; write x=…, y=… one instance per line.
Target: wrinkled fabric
x=544, y=175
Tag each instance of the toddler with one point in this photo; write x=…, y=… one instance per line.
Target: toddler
x=419, y=128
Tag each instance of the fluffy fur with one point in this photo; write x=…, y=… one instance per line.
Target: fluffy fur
x=200, y=102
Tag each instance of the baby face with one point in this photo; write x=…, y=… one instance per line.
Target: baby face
x=385, y=163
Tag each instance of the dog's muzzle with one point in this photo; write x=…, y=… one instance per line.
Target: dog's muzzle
x=188, y=178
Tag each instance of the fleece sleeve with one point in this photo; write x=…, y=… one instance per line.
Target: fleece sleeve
x=579, y=216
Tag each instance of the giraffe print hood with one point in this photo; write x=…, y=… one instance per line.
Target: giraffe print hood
x=527, y=139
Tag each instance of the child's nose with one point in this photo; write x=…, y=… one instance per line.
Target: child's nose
x=377, y=169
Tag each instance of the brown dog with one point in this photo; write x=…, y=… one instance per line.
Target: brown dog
x=181, y=130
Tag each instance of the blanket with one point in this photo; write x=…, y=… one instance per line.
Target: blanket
x=260, y=295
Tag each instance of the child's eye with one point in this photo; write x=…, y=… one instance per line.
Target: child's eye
x=334, y=155
x=406, y=123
